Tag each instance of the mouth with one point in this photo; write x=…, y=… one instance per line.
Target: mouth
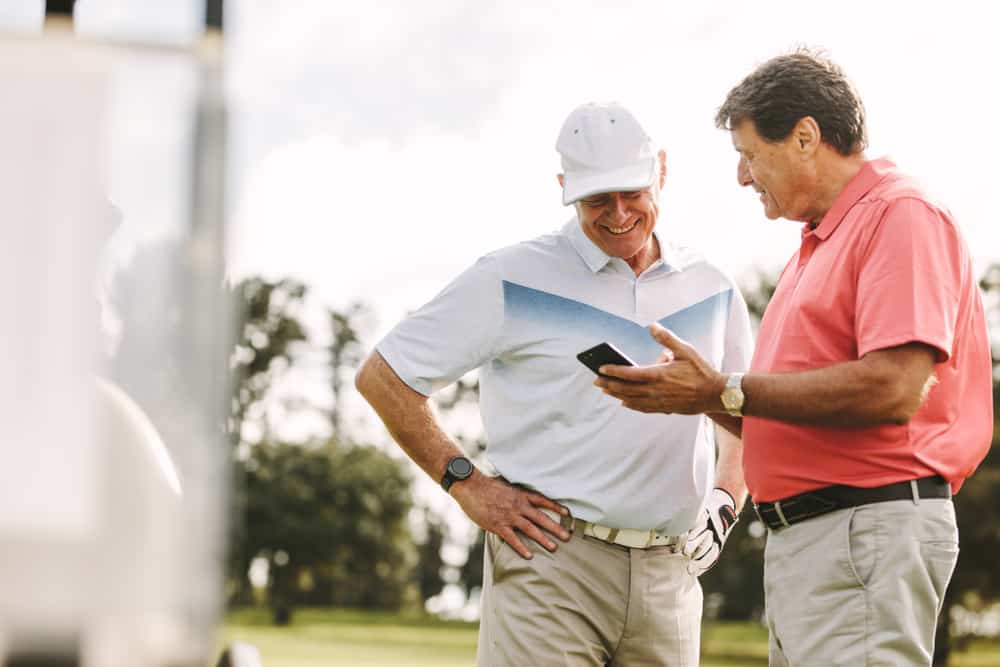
x=618, y=231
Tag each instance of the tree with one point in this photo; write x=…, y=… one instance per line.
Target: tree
x=345, y=355
x=429, y=572
x=470, y=574
x=269, y=330
x=329, y=517
x=331, y=522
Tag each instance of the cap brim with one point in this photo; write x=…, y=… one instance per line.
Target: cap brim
x=577, y=185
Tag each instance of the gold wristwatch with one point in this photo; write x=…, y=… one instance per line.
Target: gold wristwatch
x=732, y=396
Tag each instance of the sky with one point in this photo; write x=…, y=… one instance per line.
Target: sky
x=376, y=149
x=390, y=144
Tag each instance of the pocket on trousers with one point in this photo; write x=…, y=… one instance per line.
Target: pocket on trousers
x=863, y=543
x=941, y=557
x=495, y=545
x=501, y=553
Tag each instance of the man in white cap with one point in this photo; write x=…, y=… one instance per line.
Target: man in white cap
x=640, y=503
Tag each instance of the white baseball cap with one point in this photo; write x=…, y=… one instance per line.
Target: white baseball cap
x=604, y=149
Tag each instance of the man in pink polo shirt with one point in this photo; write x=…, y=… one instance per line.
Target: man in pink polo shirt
x=868, y=401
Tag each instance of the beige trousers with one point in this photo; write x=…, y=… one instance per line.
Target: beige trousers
x=860, y=587
x=590, y=603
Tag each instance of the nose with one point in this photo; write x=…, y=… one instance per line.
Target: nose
x=743, y=176
x=619, y=204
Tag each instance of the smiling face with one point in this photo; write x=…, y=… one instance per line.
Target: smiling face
x=778, y=171
x=621, y=223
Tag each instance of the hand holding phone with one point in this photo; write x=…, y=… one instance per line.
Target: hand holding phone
x=602, y=354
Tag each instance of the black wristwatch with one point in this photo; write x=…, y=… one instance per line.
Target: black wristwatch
x=458, y=468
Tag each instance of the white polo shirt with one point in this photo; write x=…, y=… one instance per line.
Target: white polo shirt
x=521, y=315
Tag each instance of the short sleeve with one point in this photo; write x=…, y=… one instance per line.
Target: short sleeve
x=909, y=280
x=739, y=336
x=452, y=334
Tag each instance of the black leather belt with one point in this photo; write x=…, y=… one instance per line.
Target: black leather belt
x=784, y=513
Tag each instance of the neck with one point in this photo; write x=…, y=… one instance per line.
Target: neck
x=643, y=259
x=835, y=172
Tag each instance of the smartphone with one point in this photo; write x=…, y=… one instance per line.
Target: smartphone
x=602, y=354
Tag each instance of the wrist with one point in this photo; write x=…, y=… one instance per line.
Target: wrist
x=716, y=386
x=458, y=469
x=460, y=490
x=732, y=397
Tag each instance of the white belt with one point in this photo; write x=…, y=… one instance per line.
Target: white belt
x=626, y=537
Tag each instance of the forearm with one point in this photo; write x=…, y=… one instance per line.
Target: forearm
x=734, y=425
x=408, y=416
x=882, y=388
x=729, y=468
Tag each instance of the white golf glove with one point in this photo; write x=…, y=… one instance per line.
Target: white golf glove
x=706, y=539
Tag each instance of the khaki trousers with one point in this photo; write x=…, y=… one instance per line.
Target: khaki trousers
x=860, y=587
x=590, y=603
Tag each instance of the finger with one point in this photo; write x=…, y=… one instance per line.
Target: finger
x=696, y=536
x=698, y=546
x=667, y=339
x=538, y=500
x=628, y=373
x=622, y=389
x=546, y=522
x=535, y=533
x=709, y=557
x=508, y=535
x=665, y=357
x=699, y=533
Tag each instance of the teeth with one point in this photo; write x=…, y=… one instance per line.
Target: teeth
x=620, y=230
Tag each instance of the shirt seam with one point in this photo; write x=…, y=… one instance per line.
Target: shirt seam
x=901, y=339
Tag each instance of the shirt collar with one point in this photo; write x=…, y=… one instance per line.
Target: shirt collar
x=871, y=173
x=596, y=259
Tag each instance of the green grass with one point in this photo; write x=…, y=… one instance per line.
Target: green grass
x=334, y=638
x=338, y=638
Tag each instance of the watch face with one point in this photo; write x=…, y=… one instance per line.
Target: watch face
x=460, y=467
x=730, y=399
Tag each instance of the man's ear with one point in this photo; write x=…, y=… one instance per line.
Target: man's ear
x=559, y=177
x=807, y=135
x=661, y=157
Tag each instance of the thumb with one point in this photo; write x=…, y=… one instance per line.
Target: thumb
x=668, y=340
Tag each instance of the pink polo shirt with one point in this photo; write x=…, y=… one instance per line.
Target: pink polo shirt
x=884, y=267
